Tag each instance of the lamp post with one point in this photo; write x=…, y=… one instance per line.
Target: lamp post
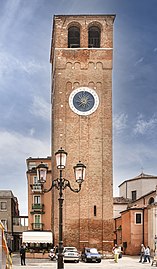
x=60, y=184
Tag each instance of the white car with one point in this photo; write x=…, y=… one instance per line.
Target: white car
x=70, y=254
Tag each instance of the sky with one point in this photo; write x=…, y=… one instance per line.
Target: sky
x=25, y=86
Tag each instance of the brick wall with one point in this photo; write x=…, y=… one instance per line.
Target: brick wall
x=85, y=138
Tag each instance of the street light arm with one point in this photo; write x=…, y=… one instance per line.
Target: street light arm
x=64, y=183
x=67, y=184
x=55, y=183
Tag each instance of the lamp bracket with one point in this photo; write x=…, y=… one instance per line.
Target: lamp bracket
x=62, y=183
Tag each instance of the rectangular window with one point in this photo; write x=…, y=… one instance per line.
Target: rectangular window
x=94, y=210
x=133, y=195
x=138, y=218
x=36, y=185
x=37, y=199
x=35, y=180
x=31, y=165
x=3, y=206
x=37, y=220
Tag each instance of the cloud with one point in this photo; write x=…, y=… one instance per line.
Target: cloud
x=155, y=49
x=32, y=131
x=144, y=126
x=40, y=108
x=10, y=12
x=22, y=146
x=130, y=158
x=119, y=122
x=15, y=149
x=10, y=64
x=139, y=61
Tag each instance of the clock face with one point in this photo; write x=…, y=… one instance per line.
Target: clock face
x=83, y=101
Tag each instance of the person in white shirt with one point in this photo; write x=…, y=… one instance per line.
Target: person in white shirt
x=115, y=251
x=147, y=254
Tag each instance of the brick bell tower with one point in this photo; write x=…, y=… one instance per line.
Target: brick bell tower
x=81, y=58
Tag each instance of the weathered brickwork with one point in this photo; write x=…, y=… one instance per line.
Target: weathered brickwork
x=85, y=138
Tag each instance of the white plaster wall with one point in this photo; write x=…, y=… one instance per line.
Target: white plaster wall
x=142, y=186
x=117, y=208
x=122, y=190
x=152, y=226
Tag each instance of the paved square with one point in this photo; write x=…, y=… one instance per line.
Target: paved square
x=126, y=262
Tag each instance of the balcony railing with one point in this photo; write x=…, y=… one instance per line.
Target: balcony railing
x=36, y=187
x=37, y=226
x=38, y=206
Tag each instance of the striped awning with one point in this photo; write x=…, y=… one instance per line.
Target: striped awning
x=37, y=237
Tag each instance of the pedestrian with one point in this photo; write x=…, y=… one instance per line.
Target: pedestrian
x=154, y=258
x=147, y=254
x=115, y=251
x=23, y=255
x=10, y=251
x=142, y=252
x=56, y=249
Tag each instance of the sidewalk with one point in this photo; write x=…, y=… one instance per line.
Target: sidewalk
x=127, y=262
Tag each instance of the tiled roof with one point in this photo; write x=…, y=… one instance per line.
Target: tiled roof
x=121, y=200
x=142, y=175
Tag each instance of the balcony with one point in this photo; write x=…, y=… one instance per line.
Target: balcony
x=36, y=187
x=37, y=226
x=37, y=208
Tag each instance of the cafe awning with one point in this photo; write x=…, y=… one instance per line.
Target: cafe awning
x=37, y=237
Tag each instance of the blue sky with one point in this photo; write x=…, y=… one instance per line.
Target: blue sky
x=25, y=38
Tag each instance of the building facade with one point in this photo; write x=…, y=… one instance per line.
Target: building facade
x=138, y=186
x=81, y=58
x=9, y=212
x=39, y=203
x=137, y=222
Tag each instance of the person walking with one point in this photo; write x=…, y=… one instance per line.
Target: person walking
x=147, y=254
x=142, y=253
x=56, y=251
x=23, y=255
x=116, y=253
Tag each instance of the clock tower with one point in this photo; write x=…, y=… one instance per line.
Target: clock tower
x=81, y=58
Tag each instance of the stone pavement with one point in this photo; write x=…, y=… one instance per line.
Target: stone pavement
x=127, y=262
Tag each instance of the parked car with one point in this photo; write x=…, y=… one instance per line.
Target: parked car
x=90, y=255
x=70, y=254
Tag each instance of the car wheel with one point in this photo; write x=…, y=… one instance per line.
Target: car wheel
x=85, y=259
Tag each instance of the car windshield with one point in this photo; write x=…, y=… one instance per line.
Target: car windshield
x=93, y=250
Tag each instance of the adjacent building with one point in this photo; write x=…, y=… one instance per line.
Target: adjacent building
x=138, y=186
x=137, y=222
x=39, y=235
x=39, y=203
x=13, y=223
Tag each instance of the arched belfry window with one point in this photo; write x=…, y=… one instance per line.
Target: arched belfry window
x=73, y=37
x=93, y=37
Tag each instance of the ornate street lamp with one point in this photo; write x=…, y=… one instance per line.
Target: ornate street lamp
x=60, y=184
